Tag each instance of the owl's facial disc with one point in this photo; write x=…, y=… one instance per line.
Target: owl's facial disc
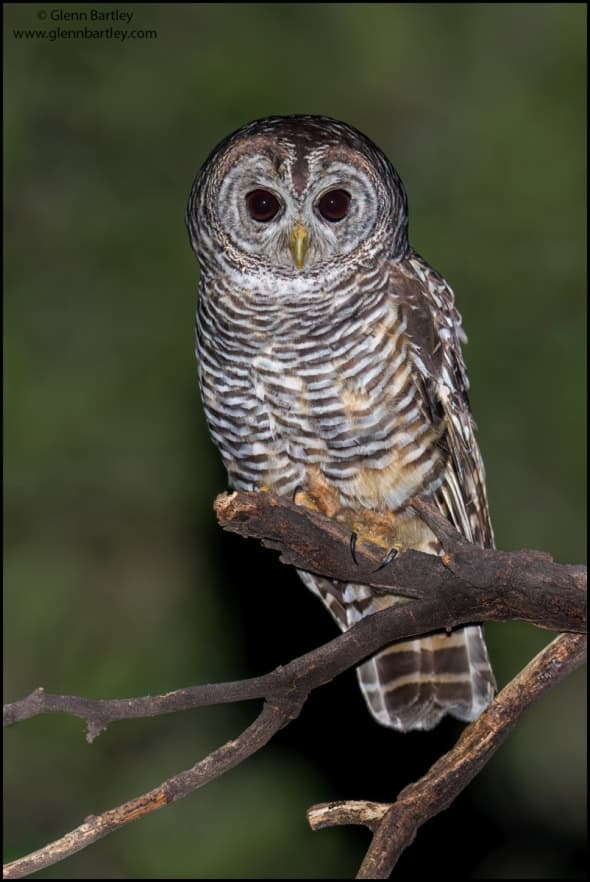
x=269, y=214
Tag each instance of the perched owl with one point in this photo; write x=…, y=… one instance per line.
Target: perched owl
x=330, y=370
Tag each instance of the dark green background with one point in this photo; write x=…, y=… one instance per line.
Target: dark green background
x=118, y=581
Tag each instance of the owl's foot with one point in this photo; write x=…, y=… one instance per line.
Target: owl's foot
x=391, y=554
x=366, y=526
x=317, y=498
x=375, y=528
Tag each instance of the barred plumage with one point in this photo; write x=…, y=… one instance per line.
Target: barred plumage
x=330, y=360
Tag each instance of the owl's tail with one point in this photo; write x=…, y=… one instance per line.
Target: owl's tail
x=412, y=685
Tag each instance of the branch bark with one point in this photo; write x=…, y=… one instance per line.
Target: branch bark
x=483, y=583
x=467, y=584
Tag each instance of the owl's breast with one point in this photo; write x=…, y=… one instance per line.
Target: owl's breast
x=297, y=396
x=354, y=412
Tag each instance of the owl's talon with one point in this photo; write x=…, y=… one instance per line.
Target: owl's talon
x=353, y=538
x=298, y=489
x=391, y=555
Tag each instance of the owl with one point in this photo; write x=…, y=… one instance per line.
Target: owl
x=331, y=372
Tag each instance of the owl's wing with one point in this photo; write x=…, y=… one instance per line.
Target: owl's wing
x=413, y=684
x=435, y=334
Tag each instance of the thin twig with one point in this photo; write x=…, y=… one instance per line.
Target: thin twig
x=347, y=811
x=271, y=719
x=100, y=712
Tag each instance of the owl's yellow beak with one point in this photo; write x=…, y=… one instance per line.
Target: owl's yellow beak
x=298, y=244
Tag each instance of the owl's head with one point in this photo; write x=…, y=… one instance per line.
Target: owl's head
x=291, y=194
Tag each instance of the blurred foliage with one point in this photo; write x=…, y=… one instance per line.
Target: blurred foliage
x=118, y=581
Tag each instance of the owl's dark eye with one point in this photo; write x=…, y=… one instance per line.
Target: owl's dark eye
x=262, y=205
x=333, y=205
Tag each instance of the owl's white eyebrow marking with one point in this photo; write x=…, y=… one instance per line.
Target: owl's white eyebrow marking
x=300, y=169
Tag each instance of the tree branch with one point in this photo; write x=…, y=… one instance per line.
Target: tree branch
x=467, y=584
x=95, y=827
x=481, y=583
x=395, y=826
